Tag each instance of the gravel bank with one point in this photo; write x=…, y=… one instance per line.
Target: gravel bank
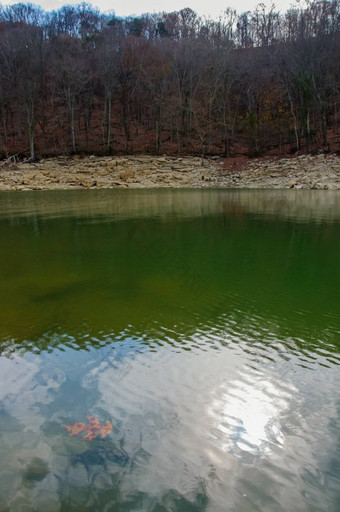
x=301, y=172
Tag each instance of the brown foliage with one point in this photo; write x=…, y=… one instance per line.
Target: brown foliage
x=93, y=428
x=254, y=83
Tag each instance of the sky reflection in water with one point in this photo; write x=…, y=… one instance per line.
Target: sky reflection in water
x=206, y=331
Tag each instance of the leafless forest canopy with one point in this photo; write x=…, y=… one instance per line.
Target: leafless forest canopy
x=262, y=82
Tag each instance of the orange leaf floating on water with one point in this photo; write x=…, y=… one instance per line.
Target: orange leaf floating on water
x=93, y=428
x=76, y=429
x=106, y=429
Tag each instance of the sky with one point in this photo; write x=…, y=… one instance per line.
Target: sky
x=136, y=7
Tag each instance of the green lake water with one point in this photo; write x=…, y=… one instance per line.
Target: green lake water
x=204, y=325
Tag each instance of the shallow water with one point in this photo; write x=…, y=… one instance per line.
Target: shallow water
x=204, y=325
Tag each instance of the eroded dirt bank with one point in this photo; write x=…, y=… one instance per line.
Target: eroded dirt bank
x=301, y=172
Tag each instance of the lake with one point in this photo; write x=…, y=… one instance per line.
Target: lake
x=202, y=325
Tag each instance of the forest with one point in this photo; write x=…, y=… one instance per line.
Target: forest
x=75, y=80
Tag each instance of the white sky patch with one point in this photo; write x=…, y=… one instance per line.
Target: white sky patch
x=136, y=8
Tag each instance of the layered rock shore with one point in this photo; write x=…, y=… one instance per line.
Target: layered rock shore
x=300, y=172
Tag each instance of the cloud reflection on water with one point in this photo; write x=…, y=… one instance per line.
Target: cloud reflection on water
x=247, y=415
x=196, y=427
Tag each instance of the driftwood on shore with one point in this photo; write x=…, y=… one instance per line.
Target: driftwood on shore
x=13, y=159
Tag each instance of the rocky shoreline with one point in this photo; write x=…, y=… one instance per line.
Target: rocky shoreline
x=143, y=171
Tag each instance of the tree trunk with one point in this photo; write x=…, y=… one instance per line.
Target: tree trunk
x=31, y=126
x=108, y=119
x=296, y=130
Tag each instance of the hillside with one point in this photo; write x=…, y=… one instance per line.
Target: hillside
x=75, y=81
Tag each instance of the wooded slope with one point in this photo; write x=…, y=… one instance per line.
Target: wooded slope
x=75, y=80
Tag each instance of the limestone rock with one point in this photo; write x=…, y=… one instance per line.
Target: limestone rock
x=127, y=175
x=319, y=172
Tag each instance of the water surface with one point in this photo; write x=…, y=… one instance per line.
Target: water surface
x=204, y=325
